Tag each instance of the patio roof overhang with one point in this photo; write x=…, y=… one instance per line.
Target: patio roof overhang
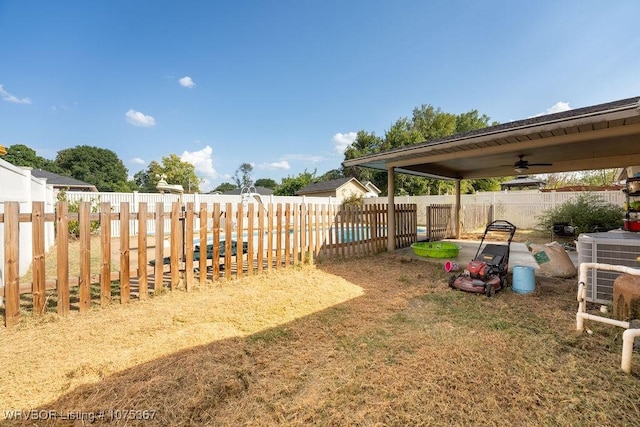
x=596, y=137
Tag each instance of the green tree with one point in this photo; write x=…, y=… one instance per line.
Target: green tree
x=290, y=185
x=266, y=183
x=180, y=172
x=432, y=123
x=243, y=175
x=21, y=155
x=426, y=123
x=487, y=184
x=599, y=177
x=472, y=120
x=595, y=177
x=147, y=179
x=225, y=186
x=332, y=174
x=98, y=166
x=364, y=144
x=173, y=169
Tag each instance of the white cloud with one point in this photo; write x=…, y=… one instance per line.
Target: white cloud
x=342, y=140
x=201, y=159
x=558, y=107
x=186, y=81
x=137, y=118
x=138, y=161
x=307, y=158
x=59, y=107
x=205, y=185
x=12, y=98
x=282, y=165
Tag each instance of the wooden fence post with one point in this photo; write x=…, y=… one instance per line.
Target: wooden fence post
x=260, y=255
x=188, y=245
x=216, y=241
x=279, y=235
x=62, y=245
x=250, y=232
x=303, y=232
x=287, y=235
x=11, y=264
x=295, y=252
x=202, y=263
x=310, y=216
x=84, y=226
x=270, y=238
x=38, y=285
x=176, y=240
x=228, y=230
x=240, y=241
x=125, y=270
x=159, y=249
x=105, y=243
x=143, y=285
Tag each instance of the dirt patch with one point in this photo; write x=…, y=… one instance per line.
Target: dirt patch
x=371, y=341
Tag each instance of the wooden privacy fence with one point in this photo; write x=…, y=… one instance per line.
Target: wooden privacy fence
x=218, y=242
x=439, y=222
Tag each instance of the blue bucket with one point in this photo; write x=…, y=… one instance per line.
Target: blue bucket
x=524, y=279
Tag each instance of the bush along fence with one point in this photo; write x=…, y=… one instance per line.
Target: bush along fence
x=216, y=242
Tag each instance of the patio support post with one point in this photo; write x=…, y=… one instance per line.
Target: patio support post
x=391, y=211
x=458, y=213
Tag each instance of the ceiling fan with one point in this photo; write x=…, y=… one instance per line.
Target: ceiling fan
x=522, y=165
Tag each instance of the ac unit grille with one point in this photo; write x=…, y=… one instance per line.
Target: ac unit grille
x=614, y=248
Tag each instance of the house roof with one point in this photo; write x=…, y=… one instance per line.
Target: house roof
x=372, y=187
x=60, y=181
x=331, y=185
x=596, y=137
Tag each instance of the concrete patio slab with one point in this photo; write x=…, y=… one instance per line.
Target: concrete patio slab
x=519, y=254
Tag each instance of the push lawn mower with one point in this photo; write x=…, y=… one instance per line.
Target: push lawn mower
x=487, y=273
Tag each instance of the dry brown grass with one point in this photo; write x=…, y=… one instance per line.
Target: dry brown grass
x=370, y=341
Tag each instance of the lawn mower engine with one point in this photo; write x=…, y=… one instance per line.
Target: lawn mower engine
x=479, y=270
x=479, y=277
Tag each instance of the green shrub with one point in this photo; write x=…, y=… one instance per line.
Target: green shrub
x=353, y=200
x=74, y=207
x=587, y=212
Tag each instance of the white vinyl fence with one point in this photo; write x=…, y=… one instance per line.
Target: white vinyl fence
x=197, y=199
x=521, y=208
x=17, y=185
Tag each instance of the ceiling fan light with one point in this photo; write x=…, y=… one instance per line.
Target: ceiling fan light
x=520, y=169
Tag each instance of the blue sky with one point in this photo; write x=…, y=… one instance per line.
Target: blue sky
x=284, y=85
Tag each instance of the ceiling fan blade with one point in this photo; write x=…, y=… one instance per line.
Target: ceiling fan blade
x=540, y=164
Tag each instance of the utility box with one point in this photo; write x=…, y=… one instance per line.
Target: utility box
x=626, y=297
x=614, y=248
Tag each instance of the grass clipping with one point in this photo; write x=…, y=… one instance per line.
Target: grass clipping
x=379, y=340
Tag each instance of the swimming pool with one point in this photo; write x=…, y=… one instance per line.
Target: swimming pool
x=336, y=235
